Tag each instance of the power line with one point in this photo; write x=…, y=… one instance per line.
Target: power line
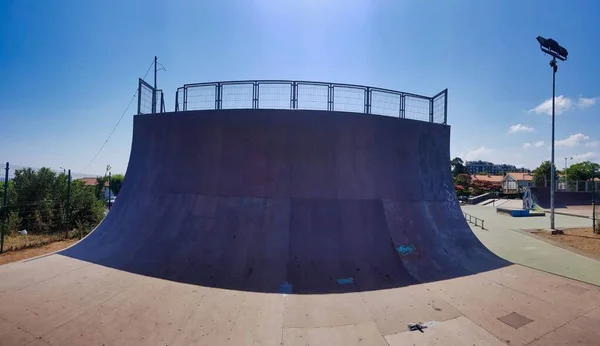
x=118, y=122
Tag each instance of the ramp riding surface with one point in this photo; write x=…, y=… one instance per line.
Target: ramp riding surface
x=255, y=199
x=273, y=227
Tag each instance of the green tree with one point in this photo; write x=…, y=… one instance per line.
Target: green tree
x=115, y=183
x=38, y=202
x=35, y=200
x=581, y=170
x=542, y=174
x=458, y=167
x=86, y=209
x=100, y=185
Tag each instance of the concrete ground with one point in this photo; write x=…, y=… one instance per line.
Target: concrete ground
x=504, y=236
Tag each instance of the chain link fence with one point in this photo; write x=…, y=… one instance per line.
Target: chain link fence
x=43, y=205
x=312, y=96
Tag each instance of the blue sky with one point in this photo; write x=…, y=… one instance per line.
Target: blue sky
x=69, y=68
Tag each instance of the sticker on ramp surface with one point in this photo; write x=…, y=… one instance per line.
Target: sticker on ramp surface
x=345, y=281
x=404, y=250
x=285, y=288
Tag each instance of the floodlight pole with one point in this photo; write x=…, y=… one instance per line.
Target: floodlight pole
x=550, y=46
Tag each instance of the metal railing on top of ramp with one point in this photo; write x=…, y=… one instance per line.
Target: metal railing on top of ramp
x=284, y=94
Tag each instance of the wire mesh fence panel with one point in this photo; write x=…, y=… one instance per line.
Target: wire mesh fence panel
x=385, y=103
x=274, y=95
x=179, y=100
x=237, y=96
x=416, y=108
x=159, y=101
x=349, y=99
x=200, y=97
x=439, y=109
x=313, y=96
x=145, y=99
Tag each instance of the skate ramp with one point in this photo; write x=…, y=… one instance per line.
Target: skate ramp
x=563, y=199
x=288, y=201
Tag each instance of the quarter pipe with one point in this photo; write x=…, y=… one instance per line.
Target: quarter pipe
x=299, y=201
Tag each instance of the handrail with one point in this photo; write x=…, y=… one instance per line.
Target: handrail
x=470, y=219
x=311, y=95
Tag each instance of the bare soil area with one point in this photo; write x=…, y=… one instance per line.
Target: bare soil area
x=19, y=247
x=581, y=240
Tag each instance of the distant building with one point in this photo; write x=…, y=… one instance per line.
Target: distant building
x=482, y=167
x=515, y=182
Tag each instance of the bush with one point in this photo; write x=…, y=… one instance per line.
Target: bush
x=38, y=202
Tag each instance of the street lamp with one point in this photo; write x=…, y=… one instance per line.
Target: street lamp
x=566, y=175
x=550, y=46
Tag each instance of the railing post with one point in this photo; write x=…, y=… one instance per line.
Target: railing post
x=254, y=95
x=445, y=106
x=185, y=98
x=368, y=100
x=177, y=101
x=139, y=95
x=401, y=113
x=218, y=95
x=330, y=97
x=430, y=110
x=4, y=207
x=294, y=96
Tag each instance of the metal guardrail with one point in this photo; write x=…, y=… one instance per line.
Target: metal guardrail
x=150, y=101
x=284, y=94
x=474, y=220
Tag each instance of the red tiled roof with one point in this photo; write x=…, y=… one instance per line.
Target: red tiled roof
x=91, y=181
x=490, y=178
x=518, y=176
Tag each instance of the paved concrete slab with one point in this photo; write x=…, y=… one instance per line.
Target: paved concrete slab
x=503, y=238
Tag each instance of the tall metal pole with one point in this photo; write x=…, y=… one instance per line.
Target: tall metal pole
x=68, y=204
x=597, y=231
x=552, y=172
x=154, y=90
x=4, y=208
x=109, y=201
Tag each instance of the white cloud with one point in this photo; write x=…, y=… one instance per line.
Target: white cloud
x=589, y=156
x=539, y=144
x=520, y=128
x=572, y=140
x=526, y=145
x=482, y=153
x=584, y=103
x=561, y=104
x=592, y=144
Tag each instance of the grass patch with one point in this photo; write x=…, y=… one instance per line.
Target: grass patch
x=15, y=241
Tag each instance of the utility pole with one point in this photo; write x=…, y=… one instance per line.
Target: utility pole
x=594, y=229
x=68, y=204
x=4, y=208
x=109, y=201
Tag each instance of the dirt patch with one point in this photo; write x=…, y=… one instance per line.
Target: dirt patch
x=581, y=240
x=18, y=247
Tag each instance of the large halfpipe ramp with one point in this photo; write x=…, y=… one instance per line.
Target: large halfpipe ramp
x=288, y=201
